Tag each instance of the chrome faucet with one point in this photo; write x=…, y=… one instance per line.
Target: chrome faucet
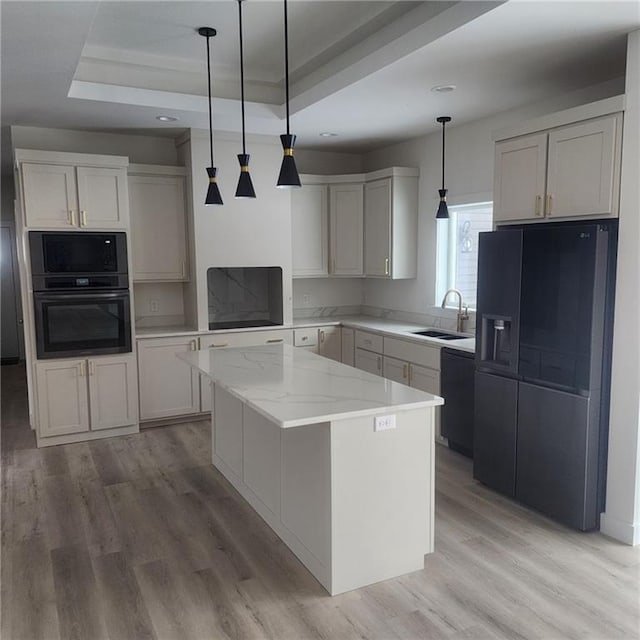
x=462, y=315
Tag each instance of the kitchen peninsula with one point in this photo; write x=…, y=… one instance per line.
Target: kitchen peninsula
x=339, y=462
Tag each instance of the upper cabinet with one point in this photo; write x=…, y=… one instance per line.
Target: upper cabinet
x=310, y=231
x=157, y=202
x=571, y=171
x=346, y=224
x=73, y=191
x=355, y=225
x=391, y=226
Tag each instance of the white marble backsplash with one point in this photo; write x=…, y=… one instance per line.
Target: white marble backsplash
x=304, y=313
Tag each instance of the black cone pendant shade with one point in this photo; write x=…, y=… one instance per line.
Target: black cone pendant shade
x=288, y=171
x=245, y=185
x=213, y=192
x=443, y=210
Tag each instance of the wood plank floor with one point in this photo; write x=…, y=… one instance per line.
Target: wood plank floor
x=140, y=537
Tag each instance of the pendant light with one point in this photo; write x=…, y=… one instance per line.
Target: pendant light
x=245, y=185
x=443, y=211
x=213, y=192
x=288, y=172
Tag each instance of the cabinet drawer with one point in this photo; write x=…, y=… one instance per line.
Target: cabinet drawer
x=424, y=355
x=305, y=337
x=369, y=341
x=245, y=339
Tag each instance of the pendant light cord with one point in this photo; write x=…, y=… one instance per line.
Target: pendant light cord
x=244, y=151
x=443, y=125
x=210, y=117
x=286, y=61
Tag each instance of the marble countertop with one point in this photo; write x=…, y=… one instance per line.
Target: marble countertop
x=391, y=328
x=293, y=387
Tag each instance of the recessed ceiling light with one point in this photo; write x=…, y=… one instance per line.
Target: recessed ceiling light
x=444, y=88
x=166, y=118
x=328, y=134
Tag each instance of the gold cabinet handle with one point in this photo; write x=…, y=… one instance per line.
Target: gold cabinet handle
x=549, y=204
x=538, y=205
x=72, y=217
x=92, y=367
x=272, y=340
x=379, y=363
x=405, y=371
x=193, y=345
x=83, y=218
x=321, y=336
x=386, y=266
x=304, y=338
x=410, y=373
x=215, y=345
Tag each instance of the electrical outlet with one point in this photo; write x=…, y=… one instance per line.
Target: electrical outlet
x=383, y=423
x=154, y=306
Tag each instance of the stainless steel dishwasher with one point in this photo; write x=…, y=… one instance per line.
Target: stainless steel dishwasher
x=457, y=376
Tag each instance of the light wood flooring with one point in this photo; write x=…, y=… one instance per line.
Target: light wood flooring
x=139, y=537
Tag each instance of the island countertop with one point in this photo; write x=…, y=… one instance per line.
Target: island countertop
x=293, y=387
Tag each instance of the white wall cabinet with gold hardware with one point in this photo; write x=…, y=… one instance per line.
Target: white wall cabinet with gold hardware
x=73, y=191
x=168, y=386
x=310, y=231
x=391, y=225
x=158, y=210
x=571, y=171
x=86, y=395
x=346, y=227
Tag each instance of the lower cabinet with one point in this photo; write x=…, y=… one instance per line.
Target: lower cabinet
x=168, y=386
x=368, y=361
x=76, y=396
x=330, y=342
x=347, y=338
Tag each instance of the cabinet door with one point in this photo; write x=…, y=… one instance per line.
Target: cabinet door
x=158, y=228
x=310, y=231
x=62, y=397
x=368, y=361
x=206, y=394
x=227, y=429
x=428, y=380
x=102, y=197
x=348, y=346
x=520, y=178
x=377, y=228
x=346, y=220
x=113, y=387
x=397, y=370
x=330, y=343
x=246, y=338
x=168, y=386
x=50, y=200
x=583, y=170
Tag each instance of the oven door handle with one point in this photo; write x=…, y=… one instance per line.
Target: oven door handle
x=53, y=297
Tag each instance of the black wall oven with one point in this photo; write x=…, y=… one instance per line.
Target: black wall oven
x=81, y=293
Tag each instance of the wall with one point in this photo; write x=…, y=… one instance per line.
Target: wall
x=244, y=232
x=140, y=149
x=328, y=162
x=621, y=519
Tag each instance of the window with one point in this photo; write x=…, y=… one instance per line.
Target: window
x=458, y=250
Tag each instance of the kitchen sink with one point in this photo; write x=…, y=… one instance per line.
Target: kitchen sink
x=442, y=335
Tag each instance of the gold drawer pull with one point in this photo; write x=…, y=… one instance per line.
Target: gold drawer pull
x=83, y=219
x=215, y=345
x=275, y=340
x=549, y=204
x=538, y=205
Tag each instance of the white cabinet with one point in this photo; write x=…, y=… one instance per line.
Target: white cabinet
x=567, y=172
x=76, y=396
x=396, y=370
x=310, y=231
x=66, y=196
x=227, y=430
x=368, y=352
x=158, y=212
x=391, y=227
x=168, y=386
x=368, y=361
x=330, y=342
x=348, y=346
x=346, y=225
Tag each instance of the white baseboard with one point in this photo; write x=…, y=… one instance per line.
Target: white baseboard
x=626, y=532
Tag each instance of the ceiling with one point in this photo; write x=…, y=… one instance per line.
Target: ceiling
x=360, y=69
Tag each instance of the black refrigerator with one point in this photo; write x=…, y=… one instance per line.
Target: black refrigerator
x=543, y=361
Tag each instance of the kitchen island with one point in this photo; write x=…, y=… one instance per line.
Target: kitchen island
x=339, y=462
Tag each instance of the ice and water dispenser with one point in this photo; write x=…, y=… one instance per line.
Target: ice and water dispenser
x=496, y=345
